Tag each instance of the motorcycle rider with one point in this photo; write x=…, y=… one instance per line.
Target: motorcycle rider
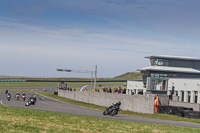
x=17, y=95
x=23, y=94
x=6, y=91
x=31, y=100
x=114, y=104
x=8, y=94
x=34, y=98
x=113, y=109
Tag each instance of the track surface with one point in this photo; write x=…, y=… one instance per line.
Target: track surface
x=48, y=104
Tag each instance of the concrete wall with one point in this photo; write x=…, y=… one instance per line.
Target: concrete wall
x=164, y=100
x=135, y=103
x=196, y=107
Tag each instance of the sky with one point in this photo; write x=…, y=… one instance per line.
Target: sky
x=39, y=36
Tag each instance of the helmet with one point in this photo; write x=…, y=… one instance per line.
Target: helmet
x=119, y=103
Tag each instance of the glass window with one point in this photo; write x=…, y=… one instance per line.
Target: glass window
x=152, y=61
x=144, y=76
x=165, y=62
x=172, y=75
x=156, y=75
x=163, y=75
x=157, y=84
x=159, y=62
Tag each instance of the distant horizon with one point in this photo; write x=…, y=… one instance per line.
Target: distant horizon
x=2, y=76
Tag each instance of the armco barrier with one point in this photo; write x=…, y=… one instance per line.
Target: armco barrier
x=135, y=103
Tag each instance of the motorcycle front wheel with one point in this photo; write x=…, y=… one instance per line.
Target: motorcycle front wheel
x=104, y=113
x=114, y=112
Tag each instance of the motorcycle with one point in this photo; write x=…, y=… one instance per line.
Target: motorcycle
x=24, y=98
x=17, y=97
x=8, y=97
x=112, y=110
x=30, y=101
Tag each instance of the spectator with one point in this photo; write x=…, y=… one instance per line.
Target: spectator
x=106, y=89
x=116, y=90
x=124, y=90
x=110, y=91
x=103, y=89
x=119, y=91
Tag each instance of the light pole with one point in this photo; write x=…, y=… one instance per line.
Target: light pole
x=84, y=71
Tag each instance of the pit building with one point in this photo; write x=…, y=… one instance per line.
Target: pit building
x=177, y=76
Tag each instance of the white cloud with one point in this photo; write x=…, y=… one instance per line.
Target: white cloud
x=44, y=49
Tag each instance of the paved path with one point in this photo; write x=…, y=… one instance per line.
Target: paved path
x=48, y=104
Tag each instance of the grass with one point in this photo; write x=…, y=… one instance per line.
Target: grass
x=17, y=120
x=40, y=84
x=93, y=106
x=129, y=76
x=18, y=90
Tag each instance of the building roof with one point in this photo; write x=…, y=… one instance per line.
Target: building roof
x=169, y=69
x=173, y=57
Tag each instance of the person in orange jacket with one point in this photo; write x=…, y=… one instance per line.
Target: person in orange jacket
x=156, y=104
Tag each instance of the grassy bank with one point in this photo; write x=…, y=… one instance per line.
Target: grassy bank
x=14, y=119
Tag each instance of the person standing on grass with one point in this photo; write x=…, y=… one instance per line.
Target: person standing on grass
x=156, y=104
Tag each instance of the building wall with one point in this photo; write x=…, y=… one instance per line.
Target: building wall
x=134, y=86
x=197, y=65
x=135, y=103
x=181, y=63
x=186, y=88
x=172, y=74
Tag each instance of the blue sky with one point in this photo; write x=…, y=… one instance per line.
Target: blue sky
x=39, y=36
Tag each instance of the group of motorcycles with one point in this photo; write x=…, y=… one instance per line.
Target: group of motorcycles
x=30, y=101
x=113, y=109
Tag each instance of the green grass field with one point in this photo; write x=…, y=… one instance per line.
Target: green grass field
x=40, y=84
x=21, y=120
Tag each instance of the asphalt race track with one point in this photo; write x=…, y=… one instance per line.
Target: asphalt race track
x=48, y=104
